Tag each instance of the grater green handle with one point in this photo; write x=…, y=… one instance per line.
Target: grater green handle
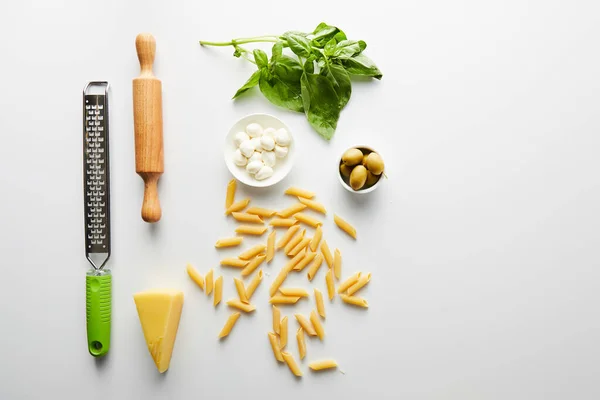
x=98, y=289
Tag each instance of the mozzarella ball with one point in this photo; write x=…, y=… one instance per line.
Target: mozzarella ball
x=282, y=137
x=254, y=166
x=264, y=173
x=247, y=148
x=267, y=143
x=256, y=143
x=254, y=130
x=280, y=151
x=255, y=157
x=239, y=138
x=239, y=159
x=269, y=132
x=268, y=158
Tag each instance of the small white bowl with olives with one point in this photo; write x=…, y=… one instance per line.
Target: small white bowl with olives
x=361, y=169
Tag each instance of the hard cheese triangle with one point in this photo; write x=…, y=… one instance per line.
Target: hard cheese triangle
x=159, y=312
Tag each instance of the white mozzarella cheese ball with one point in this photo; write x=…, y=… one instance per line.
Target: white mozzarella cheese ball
x=267, y=143
x=280, y=151
x=268, y=158
x=239, y=159
x=254, y=166
x=264, y=173
x=254, y=130
x=256, y=156
x=239, y=138
x=256, y=143
x=269, y=132
x=282, y=137
x=247, y=148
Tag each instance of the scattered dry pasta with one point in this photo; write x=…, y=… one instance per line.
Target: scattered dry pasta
x=236, y=303
x=308, y=220
x=245, y=217
x=195, y=275
x=218, y=291
x=305, y=261
x=261, y=212
x=313, y=205
x=230, y=196
x=329, y=282
x=355, y=301
x=314, y=267
x=229, y=242
x=237, y=206
x=296, y=191
x=345, y=226
x=278, y=281
x=326, y=253
x=283, y=222
x=294, y=292
x=321, y=365
x=251, y=230
x=362, y=281
x=288, y=236
x=316, y=323
x=289, y=360
x=275, y=345
x=254, y=284
x=348, y=282
x=301, y=343
x=270, y=246
x=314, y=243
x=239, y=286
x=299, y=247
x=292, y=243
x=337, y=264
x=276, y=319
x=277, y=299
x=288, y=212
x=229, y=325
x=208, y=282
x=252, y=252
x=253, y=264
x=233, y=262
x=305, y=324
x=320, y=303
x=283, y=335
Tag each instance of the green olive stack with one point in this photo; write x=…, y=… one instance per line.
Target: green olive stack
x=361, y=168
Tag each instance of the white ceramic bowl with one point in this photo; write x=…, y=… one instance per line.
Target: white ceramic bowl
x=282, y=167
x=346, y=185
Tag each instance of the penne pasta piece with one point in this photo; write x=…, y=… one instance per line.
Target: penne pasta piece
x=253, y=264
x=270, y=246
x=251, y=230
x=275, y=346
x=337, y=264
x=294, y=261
x=320, y=303
x=229, y=242
x=305, y=324
x=237, y=303
x=230, y=196
x=326, y=253
x=233, y=262
x=296, y=191
x=261, y=212
x=301, y=343
x=252, y=252
x=300, y=246
x=295, y=240
x=229, y=325
x=288, y=212
x=241, y=290
x=276, y=319
x=278, y=281
x=208, y=282
x=245, y=217
x=279, y=299
x=283, y=335
x=314, y=243
x=313, y=204
x=329, y=282
x=348, y=282
x=254, y=284
x=345, y=226
x=321, y=365
x=355, y=301
x=237, y=206
x=288, y=236
x=294, y=292
x=218, y=291
x=289, y=360
x=195, y=275
x=316, y=322
x=305, y=261
x=314, y=267
x=362, y=281
x=308, y=220
x=283, y=222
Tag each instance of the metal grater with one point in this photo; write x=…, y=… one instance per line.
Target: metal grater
x=96, y=192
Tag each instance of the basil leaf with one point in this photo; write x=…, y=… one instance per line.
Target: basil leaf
x=276, y=51
x=322, y=34
x=309, y=65
x=288, y=69
x=362, y=65
x=346, y=49
x=363, y=45
x=280, y=83
x=340, y=80
x=340, y=36
x=261, y=58
x=299, y=44
x=321, y=104
x=330, y=48
x=250, y=83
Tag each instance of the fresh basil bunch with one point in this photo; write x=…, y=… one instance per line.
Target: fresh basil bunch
x=317, y=82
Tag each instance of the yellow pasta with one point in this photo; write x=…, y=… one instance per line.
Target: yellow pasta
x=355, y=301
x=314, y=267
x=283, y=335
x=278, y=299
x=229, y=325
x=301, y=343
x=253, y=264
x=261, y=212
x=276, y=319
x=195, y=275
x=295, y=240
x=275, y=346
x=345, y=226
x=241, y=290
x=289, y=360
x=218, y=291
x=329, y=282
x=254, y=284
x=230, y=196
x=233, y=262
x=237, y=303
x=337, y=264
x=326, y=253
x=320, y=303
x=283, y=222
x=305, y=261
x=314, y=243
x=305, y=324
x=208, y=282
x=296, y=191
x=278, y=281
x=237, y=206
x=362, y=281
x=313, y=204
x=348, y=282
x=252, y=252
x=294, y=292
x=245, y=217
x=321, y=365
x=270, y=246
x=288, y=212
x=316, y=322
x=288, y=236
x=308, y=220
x=300, y=246
x=294, y=261
x=251, y=230
x=229, y=242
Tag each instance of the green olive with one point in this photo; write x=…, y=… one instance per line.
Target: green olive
x=352, y=157
x=375, y=164
x=371, y=179
x=345, y=170
x=358, y=177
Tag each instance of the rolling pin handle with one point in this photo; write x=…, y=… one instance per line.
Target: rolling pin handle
x=145, y=46
x=151, y=211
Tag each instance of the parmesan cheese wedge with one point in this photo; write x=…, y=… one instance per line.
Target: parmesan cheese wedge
x=159, y=312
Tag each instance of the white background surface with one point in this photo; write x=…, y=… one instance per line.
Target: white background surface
x=483, y=243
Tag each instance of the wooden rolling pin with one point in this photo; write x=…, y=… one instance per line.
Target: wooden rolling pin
x=148, y=124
